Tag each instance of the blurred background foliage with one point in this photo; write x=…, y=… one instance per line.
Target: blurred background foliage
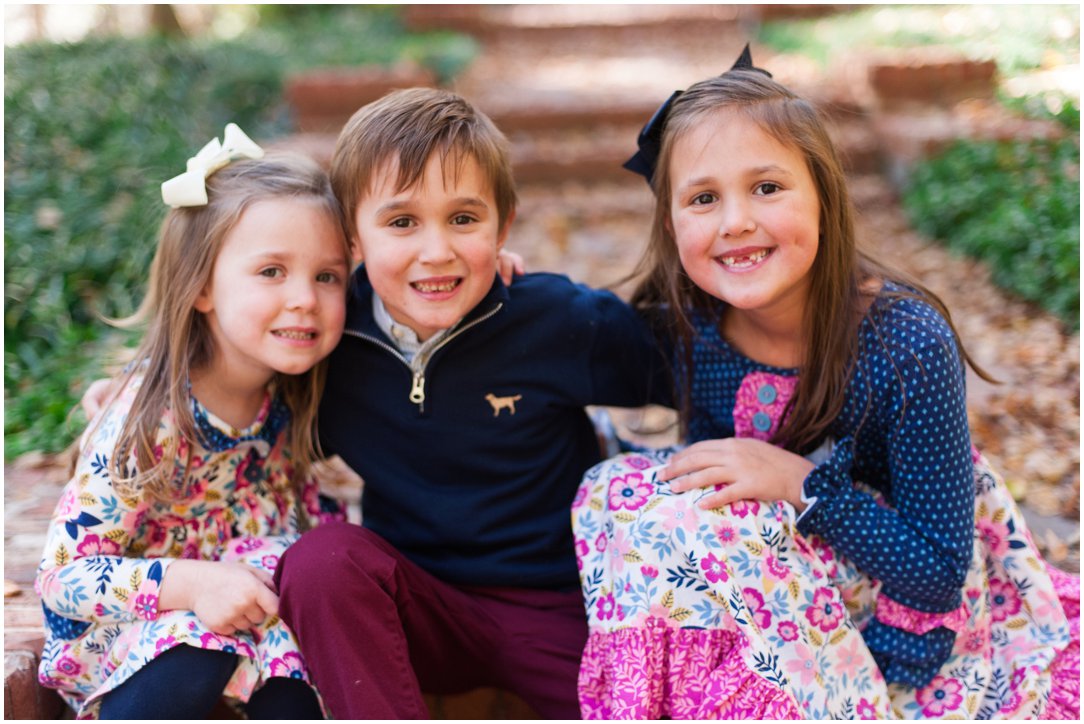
x=93, y=127
x=1013, y=204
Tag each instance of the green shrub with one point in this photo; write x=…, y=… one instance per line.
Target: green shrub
x=1015, y=205
x=91, y=129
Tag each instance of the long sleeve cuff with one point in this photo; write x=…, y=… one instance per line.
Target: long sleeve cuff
x=910, y=646
x=824, y=483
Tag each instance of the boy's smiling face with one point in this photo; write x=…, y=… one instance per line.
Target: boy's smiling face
x=430, y=250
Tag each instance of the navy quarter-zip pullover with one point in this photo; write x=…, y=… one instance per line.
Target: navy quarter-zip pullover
x=471, y=457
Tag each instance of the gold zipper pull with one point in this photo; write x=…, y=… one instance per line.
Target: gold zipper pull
x=417, y=389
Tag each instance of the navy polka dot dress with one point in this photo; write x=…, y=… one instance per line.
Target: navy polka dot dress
x=903, y=432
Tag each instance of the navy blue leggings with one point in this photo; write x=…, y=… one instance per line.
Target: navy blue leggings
x=187, y=683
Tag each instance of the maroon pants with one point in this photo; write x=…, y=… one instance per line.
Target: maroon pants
x=376, y=630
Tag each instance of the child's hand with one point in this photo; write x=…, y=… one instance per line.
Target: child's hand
x=227, y=597
x=742, y=469
x=95, y=397
x=338, y=480
x=509, y=263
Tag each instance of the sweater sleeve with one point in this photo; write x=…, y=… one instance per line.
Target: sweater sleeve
x=920, y=547
x=626, y=366
x=88, y=570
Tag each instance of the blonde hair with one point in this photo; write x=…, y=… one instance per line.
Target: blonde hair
x=839, y=295
x=178, y=338
x=409, y=126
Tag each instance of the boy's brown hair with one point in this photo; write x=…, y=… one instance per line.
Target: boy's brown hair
x=407, y=127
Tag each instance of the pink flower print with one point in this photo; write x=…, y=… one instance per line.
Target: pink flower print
x=582, y=549
x=163, y=644
x=620, y=546
x=681, y=515
x=865, y=710
x=600, y=542
x=994, y=534
x=250, y=471
x=637, y=462
x=270, y=562
x=68, y=507
x=742, y=508
x=1004, y=600
x=976, y=640
x=850, y=659
x=726, y=533
x=157, y=532
x=290, y=666
x=93, y=545
x=1012, y=703
x=629, y=492
x=146, y=606
x=1016, y=647
x=649, y=572
x=247, y=545
x=787, y=630
x=939, y=696
x=803, y=665
x=68, y=666
x=581, y=497
x=714, y=569
x=49, y=682
x=762, y=617
x=211, y=640
x=824, y=613
x=607, y=607
x=776, y=568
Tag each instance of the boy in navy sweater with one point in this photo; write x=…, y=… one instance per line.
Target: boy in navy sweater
x=460, y=402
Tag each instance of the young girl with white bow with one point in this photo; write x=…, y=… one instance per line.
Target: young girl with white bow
x=829, y=545
x=157, y=576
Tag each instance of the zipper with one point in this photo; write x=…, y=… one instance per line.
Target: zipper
x=421, y=363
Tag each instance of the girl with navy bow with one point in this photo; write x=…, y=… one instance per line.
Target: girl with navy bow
x=829, y=544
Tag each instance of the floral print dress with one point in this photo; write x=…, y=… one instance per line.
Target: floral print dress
x=748, y=611
x=106, y=556
x=731, y=613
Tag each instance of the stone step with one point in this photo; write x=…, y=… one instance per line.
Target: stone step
x=505, y=20
x=590, y=153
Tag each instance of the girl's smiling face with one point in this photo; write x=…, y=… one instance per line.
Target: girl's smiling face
x=745, y=216
x=276, y=301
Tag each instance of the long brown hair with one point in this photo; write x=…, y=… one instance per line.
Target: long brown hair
x=178, y=339
x=843, y=279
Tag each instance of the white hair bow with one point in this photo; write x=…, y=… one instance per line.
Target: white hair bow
x=190, y=188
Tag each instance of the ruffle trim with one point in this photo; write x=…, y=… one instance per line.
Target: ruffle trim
x=895, y=614
x=656, y=672
x=1064, y=702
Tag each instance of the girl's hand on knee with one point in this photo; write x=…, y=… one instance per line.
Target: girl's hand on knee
x=509, y=263
x=227, y=597
x=740, y=469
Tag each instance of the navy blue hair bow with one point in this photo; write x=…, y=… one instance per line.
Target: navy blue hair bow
x=650, y=140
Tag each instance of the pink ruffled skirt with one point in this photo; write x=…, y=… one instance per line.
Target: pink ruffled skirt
x=732, y=614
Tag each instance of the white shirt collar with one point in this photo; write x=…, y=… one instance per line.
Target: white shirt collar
x=404, y=338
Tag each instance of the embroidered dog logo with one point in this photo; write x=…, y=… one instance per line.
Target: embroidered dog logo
x=503, y=403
